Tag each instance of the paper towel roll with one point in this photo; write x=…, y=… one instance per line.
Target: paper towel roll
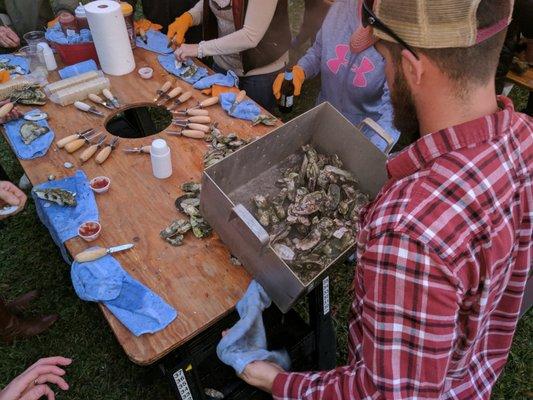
x=110, y=36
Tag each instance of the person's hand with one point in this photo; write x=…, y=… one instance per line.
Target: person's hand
x=8, y=38
x=145, y=25
x=186, y=51
x=15, y=113
x=32, y=383
x=298, y=78
x=178, y=29
x=12, y=195
x=261, y=374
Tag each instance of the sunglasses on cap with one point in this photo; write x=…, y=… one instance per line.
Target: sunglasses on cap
x=369, y=19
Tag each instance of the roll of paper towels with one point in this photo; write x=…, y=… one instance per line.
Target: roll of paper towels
x=110, y=37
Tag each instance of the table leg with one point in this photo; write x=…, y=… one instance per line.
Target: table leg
x=322, y=325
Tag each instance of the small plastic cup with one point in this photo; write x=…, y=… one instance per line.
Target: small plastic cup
x=146, y=72
x=95, y=228
x=34, y=37
x=100, y=184
x=35, y=56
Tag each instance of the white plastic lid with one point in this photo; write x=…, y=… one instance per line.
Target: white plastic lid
x=44, y=46
x=159, y=147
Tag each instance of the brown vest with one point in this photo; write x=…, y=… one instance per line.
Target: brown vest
x=272, y=46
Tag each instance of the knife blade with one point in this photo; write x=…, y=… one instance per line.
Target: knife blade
x=99, y=252
x=240, y=97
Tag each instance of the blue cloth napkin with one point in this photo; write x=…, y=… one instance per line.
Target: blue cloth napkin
x=157, y=42
x=246, y=109
x=135, y=305
x=35, y=149
x=229, y=80
x=246, y=340
x=78, y=69
x=56, y=35
x=16, y=61
x=63, y=222
x=168, y=62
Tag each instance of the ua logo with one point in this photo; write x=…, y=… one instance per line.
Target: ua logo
x=335, y=64
x=360, y=71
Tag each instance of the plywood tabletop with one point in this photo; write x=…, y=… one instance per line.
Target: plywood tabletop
x=197, y=279
x=525, y=80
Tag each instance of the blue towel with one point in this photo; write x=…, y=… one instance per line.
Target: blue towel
x=246, y=109
x=135, y=305
x=63, y=222
x=78, y=69
x=168, y=62
x=246, y=340
x=35, y=149
x=229, y=80
x=56, y=35
x=16, y=61
x=157, y=42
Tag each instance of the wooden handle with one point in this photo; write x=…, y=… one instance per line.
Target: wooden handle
x=102, y=156
x=200, y=119
x=209, y=102
x=95, y=98
x=88, y=153
x=146, y=149
x=66, y=140
x=165, y=87
x=174, y=92
x=184, y=97
x=91, y=255
x=74, y=146
x=197, y=112
x=108, y=95
x=193, y=134
x=198, y=127
x=80, y=105
x=240, y=96
x=6, y=109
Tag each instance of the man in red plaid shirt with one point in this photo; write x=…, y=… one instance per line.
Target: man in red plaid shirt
x=445, y=249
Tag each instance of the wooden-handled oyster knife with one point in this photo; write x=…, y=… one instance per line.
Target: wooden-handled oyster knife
x=66, y=140
x=99, y=252
x=106, y=151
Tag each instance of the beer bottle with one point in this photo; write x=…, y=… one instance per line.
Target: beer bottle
x=287, y=94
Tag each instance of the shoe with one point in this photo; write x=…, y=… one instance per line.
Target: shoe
x=25, y=328
x=21, y=303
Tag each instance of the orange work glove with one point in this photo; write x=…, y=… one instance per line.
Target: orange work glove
x=146, y=25
x=298, y=78
x=178, y=29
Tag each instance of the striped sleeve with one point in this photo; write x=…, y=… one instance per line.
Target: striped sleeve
x=409, y=310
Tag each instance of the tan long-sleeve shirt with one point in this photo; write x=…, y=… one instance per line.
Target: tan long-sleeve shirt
x=225, y=50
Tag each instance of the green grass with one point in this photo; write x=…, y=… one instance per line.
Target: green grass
x=29, y=259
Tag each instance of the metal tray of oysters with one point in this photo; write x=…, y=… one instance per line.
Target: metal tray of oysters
x=287, y=204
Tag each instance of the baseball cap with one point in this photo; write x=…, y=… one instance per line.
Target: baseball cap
x=435, y=23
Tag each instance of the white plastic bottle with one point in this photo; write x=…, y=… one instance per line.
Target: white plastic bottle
x=161, y=160
x=49, y=57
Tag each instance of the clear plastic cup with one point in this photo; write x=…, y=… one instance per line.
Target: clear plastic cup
x=35, y=56
x=34, y=37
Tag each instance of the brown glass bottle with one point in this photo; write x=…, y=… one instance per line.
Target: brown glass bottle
x=287, y=94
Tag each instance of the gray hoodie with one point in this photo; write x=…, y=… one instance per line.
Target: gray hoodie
x=354, y=83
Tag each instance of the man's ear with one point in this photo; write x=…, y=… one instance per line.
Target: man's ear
x=413, y=68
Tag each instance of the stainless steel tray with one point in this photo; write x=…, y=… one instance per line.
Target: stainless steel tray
x=227, y=188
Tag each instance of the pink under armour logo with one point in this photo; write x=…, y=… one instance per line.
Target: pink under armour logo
x=364, y=68
x=335, y=64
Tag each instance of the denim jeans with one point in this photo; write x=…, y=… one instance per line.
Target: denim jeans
x=258, y=88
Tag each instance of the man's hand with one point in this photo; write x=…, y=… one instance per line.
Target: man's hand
x=31, y=384
x=13, y=196
x=186, y=51
x=260, y=374
x=8, y=38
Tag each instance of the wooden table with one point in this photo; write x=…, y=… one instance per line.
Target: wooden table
x=525, y=80
x=197, y=279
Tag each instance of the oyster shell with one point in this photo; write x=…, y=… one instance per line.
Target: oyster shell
x=61, y=197
x=29, y=131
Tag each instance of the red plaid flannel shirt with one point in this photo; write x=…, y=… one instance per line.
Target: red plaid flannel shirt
x=444, y=256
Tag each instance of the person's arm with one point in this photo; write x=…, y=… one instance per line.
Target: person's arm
x=197, y=13
x=311, y=61
x=256, y=22
x=408, y=324
x=59, y=6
